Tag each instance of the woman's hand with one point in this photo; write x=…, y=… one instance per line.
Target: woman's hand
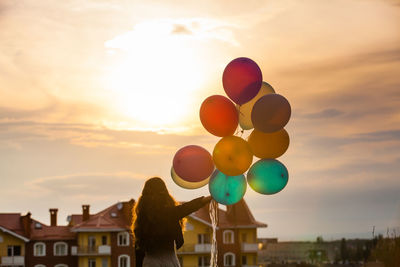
x=206, y=200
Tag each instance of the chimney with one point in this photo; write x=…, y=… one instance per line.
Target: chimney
x=53, y=217
x=26, y=224
x=127, y=210
x=85, y=212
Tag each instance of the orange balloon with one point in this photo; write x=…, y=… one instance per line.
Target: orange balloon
x=232, y=155
x=269, y=145
x=219, y=115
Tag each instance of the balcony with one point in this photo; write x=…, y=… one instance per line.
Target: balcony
x=195, y=249
x=11, y=261
x=202, y=248
x=249, y=247
x=91, y=250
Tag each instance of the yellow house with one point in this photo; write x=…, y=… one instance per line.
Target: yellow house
x=13, y=239
x=236, y=238
x=104, y=239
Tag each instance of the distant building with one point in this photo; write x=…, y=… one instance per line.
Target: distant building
x=296, y=252
x=236, y=237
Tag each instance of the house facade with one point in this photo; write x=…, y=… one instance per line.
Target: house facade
x=103, y=239
x=236, y=238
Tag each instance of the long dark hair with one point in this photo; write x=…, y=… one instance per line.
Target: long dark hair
x=149, y=212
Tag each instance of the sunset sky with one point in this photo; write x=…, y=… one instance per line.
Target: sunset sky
x=96, y=96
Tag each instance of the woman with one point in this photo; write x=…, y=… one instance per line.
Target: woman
x=157, y=224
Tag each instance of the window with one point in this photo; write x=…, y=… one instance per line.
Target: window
x=123, y=261
x=104, y=240
x=229, y=259
x=228, y=237
x=244, y=237
x=244, y=260
x=60, y=249
x=188, y=227
x=104, y=262
x=203, y=239
x=92, y=262
x=123, y=239
x=91, y=241
x=203, y=261
x=39, y=249
x=13, y=251
x=1, y=239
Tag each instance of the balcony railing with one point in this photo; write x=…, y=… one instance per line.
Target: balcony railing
x=91, y=250
x=195, y=248
x=249, y=247
x=15, y=260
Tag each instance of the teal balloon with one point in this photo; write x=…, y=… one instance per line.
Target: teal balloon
x=226, y=189
x=267, y=176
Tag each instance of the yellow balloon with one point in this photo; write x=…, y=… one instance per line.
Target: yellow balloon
x=245, y=109
x=185, y=184
x=232, y=155
x=269, y=145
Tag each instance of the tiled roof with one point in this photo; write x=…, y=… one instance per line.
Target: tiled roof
x=108, y=219
x=46, y=232
x=12, y=222
x=236, y=216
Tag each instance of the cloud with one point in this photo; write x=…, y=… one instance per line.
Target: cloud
x=92, y=135
x=155, y=33
x=324, y=114
x=89, y=185
x=181, y=29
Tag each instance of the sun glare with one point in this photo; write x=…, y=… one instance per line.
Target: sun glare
x=157, y=76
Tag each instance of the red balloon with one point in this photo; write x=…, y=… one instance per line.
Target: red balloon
x=270, y=113
x=219, y=116
x=242, y=80
x=193, y=163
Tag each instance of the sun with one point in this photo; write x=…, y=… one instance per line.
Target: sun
x=155, y=79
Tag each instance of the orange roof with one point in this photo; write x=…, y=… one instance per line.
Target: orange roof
x=109, y=219
x=236, y=216
x=46, y=232
x=11, y=222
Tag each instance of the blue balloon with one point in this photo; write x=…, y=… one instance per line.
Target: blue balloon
x=267, y=176
x=226, y=189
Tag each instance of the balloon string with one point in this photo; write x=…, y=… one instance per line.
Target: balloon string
x=239, y=110
x=213, y=209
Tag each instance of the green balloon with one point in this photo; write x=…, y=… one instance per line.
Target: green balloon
x=267, y=176
x=226, y=189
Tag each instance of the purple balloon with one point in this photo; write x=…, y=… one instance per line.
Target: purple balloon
x=242, y=79
x=270, y=113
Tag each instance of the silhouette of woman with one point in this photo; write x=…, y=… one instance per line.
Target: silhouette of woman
x=157, y=224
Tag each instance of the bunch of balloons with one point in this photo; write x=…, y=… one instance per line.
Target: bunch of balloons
x=258, y=107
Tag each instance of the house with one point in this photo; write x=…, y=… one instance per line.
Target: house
x=103, y=239
x=13, y=239
x=49, y=245
x=236, y=237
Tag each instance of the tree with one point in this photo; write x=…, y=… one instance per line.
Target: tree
x=344, y=253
